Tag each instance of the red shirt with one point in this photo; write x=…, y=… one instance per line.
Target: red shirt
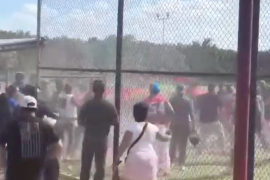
x=157, y=109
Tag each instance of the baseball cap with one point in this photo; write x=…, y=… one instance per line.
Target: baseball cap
x=156, y=87
x=28, y=102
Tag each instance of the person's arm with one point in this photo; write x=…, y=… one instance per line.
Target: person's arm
x=163, y=137
x=191, y=114
x=262, y=107
x=197, y=103
x=113, y=115
x=172, y=102
x=74, y=102
x=219, y=106
x=47, y=112
x=49, y=121
x=169, y=109
x=83, y=114
x=125, y=143
x=54, y=144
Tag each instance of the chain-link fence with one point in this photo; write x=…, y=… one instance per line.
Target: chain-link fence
x=173, y=42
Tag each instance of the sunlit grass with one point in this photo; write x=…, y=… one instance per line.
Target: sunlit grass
x=198, y=167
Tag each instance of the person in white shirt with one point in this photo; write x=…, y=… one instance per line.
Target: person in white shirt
x=141, y=162
x=68, y=119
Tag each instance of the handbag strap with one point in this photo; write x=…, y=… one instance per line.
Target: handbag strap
x=137, y=139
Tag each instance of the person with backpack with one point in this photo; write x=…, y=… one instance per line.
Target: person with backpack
x=29, y=143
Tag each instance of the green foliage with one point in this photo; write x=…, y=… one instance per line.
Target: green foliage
x=101, y=54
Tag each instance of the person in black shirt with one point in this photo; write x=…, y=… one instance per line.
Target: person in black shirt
x=181, y=124
x=97, y=116
x=29, y=143
x=52, y=166
x=43, y=109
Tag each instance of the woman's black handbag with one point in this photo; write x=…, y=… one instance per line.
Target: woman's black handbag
x=134, y=142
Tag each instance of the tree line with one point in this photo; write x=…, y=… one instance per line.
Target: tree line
x=142, y=55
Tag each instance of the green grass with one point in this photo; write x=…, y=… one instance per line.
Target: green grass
x=198, y=167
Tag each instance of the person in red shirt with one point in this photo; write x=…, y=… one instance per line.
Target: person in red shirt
x=209, y=107
x=159, y=113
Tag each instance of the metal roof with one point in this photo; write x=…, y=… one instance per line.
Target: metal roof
x=18, y=44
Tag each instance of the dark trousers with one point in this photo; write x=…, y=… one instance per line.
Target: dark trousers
x=179, y=141
x=52, y=170
x=93, y=148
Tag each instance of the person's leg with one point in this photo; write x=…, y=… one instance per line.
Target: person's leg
x=173, y=144
x=219, y=131
x=100, y=158
x=52, y=170
x=260, y=134
x=77, y=141
x=182, y=145
x=164, y=157
x=70, y=129
x=87, y=158
x=262, y=139
x=204, y=134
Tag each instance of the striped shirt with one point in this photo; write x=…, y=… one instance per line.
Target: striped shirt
x=26, y=149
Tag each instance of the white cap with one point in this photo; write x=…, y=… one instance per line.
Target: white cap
x=28, y=102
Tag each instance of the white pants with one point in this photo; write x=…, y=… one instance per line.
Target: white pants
x=208, y=129
x=162, y=150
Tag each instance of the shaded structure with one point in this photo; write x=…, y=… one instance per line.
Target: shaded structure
x=7, y=45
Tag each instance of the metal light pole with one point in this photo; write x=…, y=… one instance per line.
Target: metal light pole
x=39, y=2
x=163, y=19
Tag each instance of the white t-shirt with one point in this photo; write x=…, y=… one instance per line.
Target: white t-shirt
x=145, y=144
x=66, y=107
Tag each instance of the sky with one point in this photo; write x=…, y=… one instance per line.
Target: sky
x=189, y=20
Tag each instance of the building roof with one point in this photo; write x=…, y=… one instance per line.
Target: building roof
x=18, y=44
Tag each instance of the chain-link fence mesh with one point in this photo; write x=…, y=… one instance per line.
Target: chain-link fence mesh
x=262, y=152
x=82, y=90
x=81, y=34
x=168, y=36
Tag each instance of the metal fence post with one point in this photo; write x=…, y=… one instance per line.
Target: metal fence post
x=39, y=2
x=253, y=88
x=118, y=83
x=243, y=89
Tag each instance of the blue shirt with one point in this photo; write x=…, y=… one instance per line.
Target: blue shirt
x=12, y=104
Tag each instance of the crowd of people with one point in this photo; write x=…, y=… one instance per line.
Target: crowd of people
x=36, y=134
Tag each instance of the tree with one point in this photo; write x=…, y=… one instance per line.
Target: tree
x=63, y=51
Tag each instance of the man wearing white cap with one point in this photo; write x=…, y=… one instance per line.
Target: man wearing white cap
x=30, y=143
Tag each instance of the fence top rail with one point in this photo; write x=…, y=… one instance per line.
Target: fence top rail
x=69, y=76
x=186, y=74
